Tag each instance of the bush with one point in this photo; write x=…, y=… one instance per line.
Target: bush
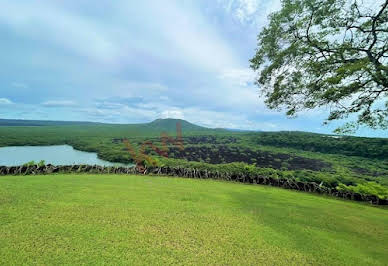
x=32, y=163
x=369, y=188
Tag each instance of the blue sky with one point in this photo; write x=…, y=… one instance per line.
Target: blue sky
x=134, y=61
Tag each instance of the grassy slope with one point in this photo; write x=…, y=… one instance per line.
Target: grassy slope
x=148, y=220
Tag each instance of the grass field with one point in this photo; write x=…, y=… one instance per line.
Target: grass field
x=119, y=219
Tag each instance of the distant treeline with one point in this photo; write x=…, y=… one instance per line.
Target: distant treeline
x=353, y=146
x=23, y=123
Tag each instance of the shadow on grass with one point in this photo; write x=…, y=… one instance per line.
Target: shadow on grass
x=315, y=224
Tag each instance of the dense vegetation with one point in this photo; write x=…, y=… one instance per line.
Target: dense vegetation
x=121, y=219
x=332, y=161
x=364, y=147
x=21, y=123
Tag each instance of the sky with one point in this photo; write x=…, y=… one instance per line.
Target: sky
x=135, y=61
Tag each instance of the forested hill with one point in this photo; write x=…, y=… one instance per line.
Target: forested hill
x=347, y=145
x=171, y=124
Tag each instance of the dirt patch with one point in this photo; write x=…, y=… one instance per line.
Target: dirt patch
x=363, y=171
x=209, y=140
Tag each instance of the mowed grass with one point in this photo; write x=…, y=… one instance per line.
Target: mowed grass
x=120, y=219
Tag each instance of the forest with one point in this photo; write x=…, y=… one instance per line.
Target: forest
x=345, y=162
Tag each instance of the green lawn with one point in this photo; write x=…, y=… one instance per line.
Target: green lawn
x=118, y=219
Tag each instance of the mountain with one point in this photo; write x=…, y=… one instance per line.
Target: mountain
x=170, y=124
x=158, y=125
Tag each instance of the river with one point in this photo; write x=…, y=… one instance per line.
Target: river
x=56, y=155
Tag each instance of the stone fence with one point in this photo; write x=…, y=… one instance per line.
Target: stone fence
x=193, y=173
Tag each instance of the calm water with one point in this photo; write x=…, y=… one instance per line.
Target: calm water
x=56, y=155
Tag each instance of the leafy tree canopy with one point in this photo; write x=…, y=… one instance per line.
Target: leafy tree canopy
x=327, y=53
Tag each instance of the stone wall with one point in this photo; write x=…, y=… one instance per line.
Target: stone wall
x=192, y=173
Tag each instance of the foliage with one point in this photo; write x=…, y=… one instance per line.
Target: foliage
x=32, y=163
x=331, y=53
x=364, y=147
x=370, y=188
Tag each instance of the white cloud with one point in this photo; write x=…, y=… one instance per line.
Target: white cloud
x=241, y=77
x=109, y=105
x=193, y=38
x=246, y=9
x=174, y=113
x=47, y=21
x=217, y=119
x=59, y=103
x=253, y=12
x=123, y=114
x=136, y=88
x=5, y=101
x=178, y=33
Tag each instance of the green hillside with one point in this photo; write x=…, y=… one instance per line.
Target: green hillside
x=170, y=125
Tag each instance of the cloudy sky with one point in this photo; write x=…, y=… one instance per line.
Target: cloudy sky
x=134, y=61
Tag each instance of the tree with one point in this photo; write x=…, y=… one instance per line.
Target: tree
x=327, y=53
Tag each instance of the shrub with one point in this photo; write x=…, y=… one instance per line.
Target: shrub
x=369, y=188
x=32, y=163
